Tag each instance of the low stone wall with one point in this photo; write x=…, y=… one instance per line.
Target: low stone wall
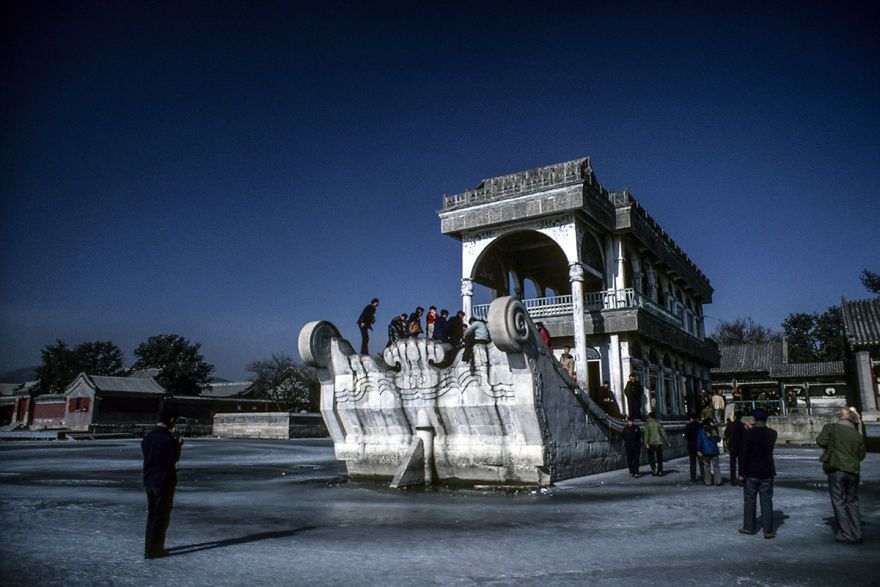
x=278, y=425
x=799, y=429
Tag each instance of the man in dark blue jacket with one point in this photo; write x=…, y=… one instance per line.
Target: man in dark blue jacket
x=365, y=324
x=161, y=453
x=757, y=470
x=632, y=442
x=733, y=433
x=690, y=434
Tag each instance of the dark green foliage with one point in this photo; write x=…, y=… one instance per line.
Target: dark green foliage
x=184, y=370
x=61, y=363
x=743, y=331
x=815, y=337
x=871, y=281
x=291, y=386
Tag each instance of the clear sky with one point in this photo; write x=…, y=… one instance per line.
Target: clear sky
x=228, y=171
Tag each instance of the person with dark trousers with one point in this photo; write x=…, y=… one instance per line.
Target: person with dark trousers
x=844, y=450
x=655, y=438
x=757, y=470
x=477, y=333
x=365, y=323
x=707, y=449
x=161, y=452
x=733, y=436
x=633, y=393
x=456, y=328
x=441, y=327
x=691, y=431
x=632, y=443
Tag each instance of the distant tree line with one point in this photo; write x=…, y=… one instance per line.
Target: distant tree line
x=182, y=369
x=811, y=337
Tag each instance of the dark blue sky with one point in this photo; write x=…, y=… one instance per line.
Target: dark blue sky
x=229, y=171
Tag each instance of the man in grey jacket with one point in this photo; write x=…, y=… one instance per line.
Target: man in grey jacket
x=844, y=451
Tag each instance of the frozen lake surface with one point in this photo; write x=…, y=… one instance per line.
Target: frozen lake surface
x=282, y=512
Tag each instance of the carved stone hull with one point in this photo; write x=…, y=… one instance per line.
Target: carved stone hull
x=513, y=417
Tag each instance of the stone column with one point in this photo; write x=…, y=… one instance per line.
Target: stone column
x=576, y=276
x=467, y=297
x=864, y=375
x=619, y=274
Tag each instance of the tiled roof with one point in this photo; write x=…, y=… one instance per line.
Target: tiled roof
x=226, y=389
x=10, y=388
x=827, y=368
x=767, y=358
x=861, y=322
x=145, y=385
x=749, y=358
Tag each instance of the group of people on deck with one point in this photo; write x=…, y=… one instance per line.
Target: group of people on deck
x=438, y=326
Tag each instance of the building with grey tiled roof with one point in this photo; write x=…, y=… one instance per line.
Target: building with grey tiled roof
x=861, y=325
x=761, y=373
x=93, y=399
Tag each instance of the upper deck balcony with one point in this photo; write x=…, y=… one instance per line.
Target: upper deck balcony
x=600, y=302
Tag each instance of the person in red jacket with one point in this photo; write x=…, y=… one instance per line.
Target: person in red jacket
x=545, y=336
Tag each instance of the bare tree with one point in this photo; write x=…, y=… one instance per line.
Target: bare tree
x=743, y=331
x=290, y=385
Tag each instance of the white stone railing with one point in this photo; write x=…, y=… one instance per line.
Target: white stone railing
x=597, y=301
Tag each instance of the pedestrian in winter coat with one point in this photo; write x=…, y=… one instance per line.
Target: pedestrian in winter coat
x=632, y=443
x=397, y=329
x=456, y=328
x=365, y=324
x=441, y=327
x=844, y=451
x=707, y=449
x=690, y=435
x=757, y=470
x=655, y=438
x=733, y=438
x=161, y=450
x=633, y=392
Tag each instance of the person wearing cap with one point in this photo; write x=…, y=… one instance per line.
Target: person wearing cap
x=161, y=453
x=757, y=470
x=841, y=460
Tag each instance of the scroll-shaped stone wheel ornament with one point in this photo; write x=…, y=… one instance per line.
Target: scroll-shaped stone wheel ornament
x=509, y=324
x=314, y=342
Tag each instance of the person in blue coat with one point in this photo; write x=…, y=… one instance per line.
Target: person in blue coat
x=707, y=449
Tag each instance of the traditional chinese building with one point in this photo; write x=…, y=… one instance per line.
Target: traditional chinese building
x=760, y=375
x=861, y=322
x=593, y=266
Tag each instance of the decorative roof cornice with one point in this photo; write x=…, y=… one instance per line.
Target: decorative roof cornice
x=861, y=322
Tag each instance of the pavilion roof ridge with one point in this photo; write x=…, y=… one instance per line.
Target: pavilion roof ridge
x=557, y=175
